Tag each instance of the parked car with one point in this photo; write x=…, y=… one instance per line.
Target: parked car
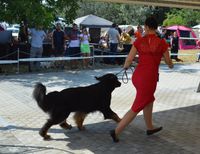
x=15, y=31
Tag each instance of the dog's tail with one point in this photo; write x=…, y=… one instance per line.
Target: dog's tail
x=39, y=93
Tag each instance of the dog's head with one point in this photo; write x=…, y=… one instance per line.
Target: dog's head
x=110, y=79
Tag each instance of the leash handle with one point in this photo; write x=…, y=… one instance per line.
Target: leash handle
x=120, y=72
x=124, y=75
x=125, y=80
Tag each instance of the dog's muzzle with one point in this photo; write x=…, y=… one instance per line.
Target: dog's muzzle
x=118, y=84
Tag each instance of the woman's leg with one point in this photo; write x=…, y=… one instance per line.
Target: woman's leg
x=148, y=120
x=88, y=60
x=147, y=112
x=128, y=117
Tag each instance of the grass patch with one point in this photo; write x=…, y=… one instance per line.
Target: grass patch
x=189, y=58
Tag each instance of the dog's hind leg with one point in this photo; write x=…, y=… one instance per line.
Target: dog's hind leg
x=79, y=118
x=65, y=125
x=54, y=120
x=45, y=128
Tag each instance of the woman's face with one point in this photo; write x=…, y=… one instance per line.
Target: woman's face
x=175, y=34
x=75, y=27
x=84, y=31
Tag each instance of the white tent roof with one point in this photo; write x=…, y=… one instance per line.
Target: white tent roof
x=197, y=26
x=93, y=21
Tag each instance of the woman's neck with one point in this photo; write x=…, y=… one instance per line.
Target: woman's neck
x=151, y=32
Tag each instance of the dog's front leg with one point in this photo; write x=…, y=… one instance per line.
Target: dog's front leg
x=109, y=114
x=65, y=125
x=115, y=117
x=43, y=131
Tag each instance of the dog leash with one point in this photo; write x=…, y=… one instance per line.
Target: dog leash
x=124, y=74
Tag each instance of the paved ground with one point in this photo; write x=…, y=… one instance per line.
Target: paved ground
x=177, y=109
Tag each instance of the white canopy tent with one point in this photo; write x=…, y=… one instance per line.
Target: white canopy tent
x=196, y=27
x=92, y=21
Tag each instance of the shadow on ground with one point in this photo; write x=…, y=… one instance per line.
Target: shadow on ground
x=179, y=136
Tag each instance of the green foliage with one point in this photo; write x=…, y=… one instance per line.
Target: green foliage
x=187, y=17
x=120, y=13
x=174, y=20
x=37, y=12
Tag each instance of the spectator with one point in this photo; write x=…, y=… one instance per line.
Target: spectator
x=85, y=47
x=37, y=37
x=139, y=32
x=103, y=43
x=125, y=38
x=58, y=41
x=163, y=34
x=23, y=32
x=1, y=28
x=174, y=47
x=74, y=45
x=114, y=39
x=198, y=57
x=132, y=35
x=119, y=29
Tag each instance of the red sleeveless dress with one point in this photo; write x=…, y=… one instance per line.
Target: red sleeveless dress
x=150, y=50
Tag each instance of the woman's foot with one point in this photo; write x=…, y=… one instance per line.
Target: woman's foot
x=114, y=136
x=152, y=131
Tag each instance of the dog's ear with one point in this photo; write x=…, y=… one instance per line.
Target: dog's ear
x=104, y=77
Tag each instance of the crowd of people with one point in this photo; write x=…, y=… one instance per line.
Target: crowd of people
x=115, y=41
x=78, y=45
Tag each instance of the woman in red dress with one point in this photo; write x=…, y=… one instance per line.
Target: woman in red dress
x=150, y=49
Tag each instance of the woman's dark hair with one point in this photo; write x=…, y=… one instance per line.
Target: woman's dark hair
x=151, y=23
x=131, y=32
x=114, y=25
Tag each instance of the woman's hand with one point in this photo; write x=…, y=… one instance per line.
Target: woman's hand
x=168, y=60
x=126, y=66
x=171, y=65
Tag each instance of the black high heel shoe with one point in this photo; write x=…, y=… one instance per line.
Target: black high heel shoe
x=150, y=132
x=114, y=137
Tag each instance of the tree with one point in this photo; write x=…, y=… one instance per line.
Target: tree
x=37, y=11
x=187, y=17
x=174, y=20
x=121, y=13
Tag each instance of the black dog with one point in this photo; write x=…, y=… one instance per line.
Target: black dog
x=81, y=100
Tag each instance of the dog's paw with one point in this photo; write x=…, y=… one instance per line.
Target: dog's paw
x=82, y=128
x=66, y=126
x=47, y=137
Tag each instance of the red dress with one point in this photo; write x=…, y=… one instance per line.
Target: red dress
x=150, y=51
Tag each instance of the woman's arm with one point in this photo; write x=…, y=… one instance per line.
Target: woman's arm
x=167, y=59
x=130, y=57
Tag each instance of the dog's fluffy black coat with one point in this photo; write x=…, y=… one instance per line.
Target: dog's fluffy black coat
x=81, y=100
